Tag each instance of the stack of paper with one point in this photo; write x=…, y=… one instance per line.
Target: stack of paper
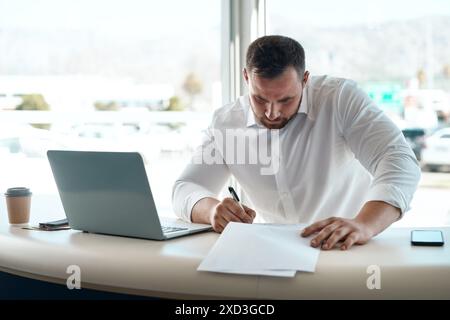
x=261, y=249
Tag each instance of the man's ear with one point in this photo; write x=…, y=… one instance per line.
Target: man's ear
x=245, y=74
x=305, y=77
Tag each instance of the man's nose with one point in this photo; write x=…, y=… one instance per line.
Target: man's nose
x=272, y=113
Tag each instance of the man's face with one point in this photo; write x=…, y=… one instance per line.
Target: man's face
x=275, y=101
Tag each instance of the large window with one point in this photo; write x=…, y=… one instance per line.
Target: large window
x=112, y=76
x=399, y=52
x=145, y=75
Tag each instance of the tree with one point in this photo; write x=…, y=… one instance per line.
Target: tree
x=109, y=106
x=175, y=104
x=446, y=71
x=35, y=102
x=192, y=85
x=422, y=77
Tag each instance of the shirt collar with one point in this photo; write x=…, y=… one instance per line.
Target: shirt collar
x=251, y=121
x=303, y=103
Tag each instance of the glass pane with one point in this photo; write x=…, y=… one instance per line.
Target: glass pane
x=399, y=53
x=112, y=76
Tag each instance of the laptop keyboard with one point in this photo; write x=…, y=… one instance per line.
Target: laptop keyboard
x=167, y=229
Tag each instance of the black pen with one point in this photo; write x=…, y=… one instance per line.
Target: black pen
x=235, y=197
x=234, y=194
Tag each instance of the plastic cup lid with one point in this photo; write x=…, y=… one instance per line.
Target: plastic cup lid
x=17, y=192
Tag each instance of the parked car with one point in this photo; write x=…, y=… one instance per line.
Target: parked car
x=436, y=154
x=416, y=139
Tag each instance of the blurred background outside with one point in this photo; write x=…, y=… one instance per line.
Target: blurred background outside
x=145, y=75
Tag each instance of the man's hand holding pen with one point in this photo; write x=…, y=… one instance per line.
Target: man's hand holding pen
x=230, y=209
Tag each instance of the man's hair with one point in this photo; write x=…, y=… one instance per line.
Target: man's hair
x=270, y=56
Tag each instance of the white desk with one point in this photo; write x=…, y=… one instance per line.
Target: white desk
x=168, y=268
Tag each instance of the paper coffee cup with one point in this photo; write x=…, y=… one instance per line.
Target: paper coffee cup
x=18, y=202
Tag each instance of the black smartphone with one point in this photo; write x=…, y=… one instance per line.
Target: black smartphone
x=427, y=238
x=53, y=224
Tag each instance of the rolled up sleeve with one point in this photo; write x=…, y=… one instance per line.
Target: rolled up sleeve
x=380, y=147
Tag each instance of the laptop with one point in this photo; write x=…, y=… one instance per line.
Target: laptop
x=109, y=193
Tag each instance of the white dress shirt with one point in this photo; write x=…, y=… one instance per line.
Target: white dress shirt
x=338, y=152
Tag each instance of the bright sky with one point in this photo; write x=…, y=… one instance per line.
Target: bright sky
x=112, y=16
x=347, y=12
x=175, y=16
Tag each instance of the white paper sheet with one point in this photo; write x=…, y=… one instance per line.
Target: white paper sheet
x=260, y=249
x=272, y=273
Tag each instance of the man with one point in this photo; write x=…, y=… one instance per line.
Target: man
x=342, y=163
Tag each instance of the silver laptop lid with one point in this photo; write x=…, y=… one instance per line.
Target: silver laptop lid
x=106, y=192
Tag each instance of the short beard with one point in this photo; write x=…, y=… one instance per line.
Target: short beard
x=276, y=125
